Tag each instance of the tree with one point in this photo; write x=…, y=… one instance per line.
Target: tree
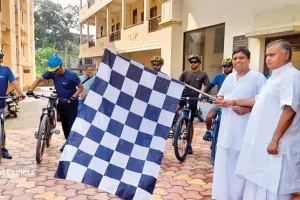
x=41, y=57
x=53, y=23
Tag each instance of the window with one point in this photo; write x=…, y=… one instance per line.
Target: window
x=142, y=16
x=88, y=61
x=26, y=71
x=22, y=17
x=153, y=12
x=101, y=31
x=219, y=39
x=134, y=16
x=208, y=43
x=117, y=26
x=113, y=28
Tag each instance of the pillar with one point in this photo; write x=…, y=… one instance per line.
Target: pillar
x=123, y=14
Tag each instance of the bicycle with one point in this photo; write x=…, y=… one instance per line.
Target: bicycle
x=182, y=130
x=1, y=126
x=198, y=114
x=48, y=121
x=215, y=132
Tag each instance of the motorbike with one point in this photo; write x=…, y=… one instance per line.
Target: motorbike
x=12, y=104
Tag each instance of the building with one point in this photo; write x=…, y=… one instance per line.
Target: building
x=79, y=64
x=17, y=38
x=176, y=29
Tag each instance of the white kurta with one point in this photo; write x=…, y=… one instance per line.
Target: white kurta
x=226, y=185
x=278, y=174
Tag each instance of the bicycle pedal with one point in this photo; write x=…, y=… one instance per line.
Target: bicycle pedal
x=57, y=132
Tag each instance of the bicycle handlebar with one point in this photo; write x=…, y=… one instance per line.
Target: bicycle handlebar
x=37, y=96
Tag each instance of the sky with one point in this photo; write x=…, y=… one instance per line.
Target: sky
x=67, y=2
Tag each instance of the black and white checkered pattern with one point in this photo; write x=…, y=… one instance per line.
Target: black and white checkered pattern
x=117, y=141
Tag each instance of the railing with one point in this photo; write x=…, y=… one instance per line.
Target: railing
x=91, y=43
x=91, y=2
x=84, y=41
x=99, y=36
x=114, y=36
x=153, y=24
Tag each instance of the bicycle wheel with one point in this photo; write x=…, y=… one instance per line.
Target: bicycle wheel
x=180, y=138
x=52, y=127
x=1, y=136
x=42, y=136
x=214, y=140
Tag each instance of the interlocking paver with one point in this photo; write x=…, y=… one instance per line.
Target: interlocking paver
x=189, y=180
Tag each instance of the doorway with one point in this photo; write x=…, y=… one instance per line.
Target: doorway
x=294, y=40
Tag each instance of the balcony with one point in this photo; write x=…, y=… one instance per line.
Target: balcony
x=115, y=36
x=153, y=24
x=92, y=43
x=91, y=2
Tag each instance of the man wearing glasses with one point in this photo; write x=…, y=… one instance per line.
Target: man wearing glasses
x=157, y=62
x=195, y=78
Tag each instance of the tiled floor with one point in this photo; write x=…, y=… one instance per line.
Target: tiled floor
x=189, y=180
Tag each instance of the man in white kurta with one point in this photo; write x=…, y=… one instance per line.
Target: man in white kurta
x=244, y=83
x=270, y=156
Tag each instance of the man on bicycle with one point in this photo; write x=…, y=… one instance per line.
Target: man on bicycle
x=6, y=75
x=65, y=82
x=195, y=78
x=157, y=62
x=217, y=80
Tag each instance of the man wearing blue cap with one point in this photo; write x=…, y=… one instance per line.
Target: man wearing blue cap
x=66, y=83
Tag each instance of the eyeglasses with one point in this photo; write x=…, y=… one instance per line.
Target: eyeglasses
x=193, y=62
x=155, y=64
x=227, y=66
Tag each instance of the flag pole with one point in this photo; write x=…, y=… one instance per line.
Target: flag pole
x=186, y=85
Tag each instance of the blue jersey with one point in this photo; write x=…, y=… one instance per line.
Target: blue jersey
x=218, y=80
x=65, y=84
x=5, y=76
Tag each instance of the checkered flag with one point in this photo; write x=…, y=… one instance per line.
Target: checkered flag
x=117, y=141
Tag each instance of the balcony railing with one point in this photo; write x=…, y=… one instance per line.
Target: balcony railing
x=91, y=43
x=153, y=24
x=91, y=2
x=114, y=36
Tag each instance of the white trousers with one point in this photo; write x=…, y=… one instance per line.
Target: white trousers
x=226, y=184
x=255, y=192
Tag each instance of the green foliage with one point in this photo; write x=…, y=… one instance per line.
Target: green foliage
x=52, y=32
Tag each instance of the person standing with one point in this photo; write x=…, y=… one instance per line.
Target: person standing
x=270, y=155
x=195, y=78
x=244, y=83
x=6, y=75
x=87, y=80
x=66, y=83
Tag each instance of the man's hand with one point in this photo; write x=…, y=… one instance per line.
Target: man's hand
x=219, y=101
x=72, y=98
x=21, y=97
x=227, y=103
x=83, y=95
x=241, y=110
x=29, y=93
x=272, y=148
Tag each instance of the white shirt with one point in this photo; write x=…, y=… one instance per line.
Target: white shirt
x=255, y=164
x=233, y=126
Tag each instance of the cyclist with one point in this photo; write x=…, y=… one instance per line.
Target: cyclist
x=65, y=82
x=6, y=75
x=195, y=78
x=157, y=62
x=217, y=80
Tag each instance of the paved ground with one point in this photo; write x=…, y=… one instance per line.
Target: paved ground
x=21, y=178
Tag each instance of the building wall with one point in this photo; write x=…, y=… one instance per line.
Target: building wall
x=241, y=18
x=18, y=32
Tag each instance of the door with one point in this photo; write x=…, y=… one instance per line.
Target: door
x=294, y=40
x=153, y=12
